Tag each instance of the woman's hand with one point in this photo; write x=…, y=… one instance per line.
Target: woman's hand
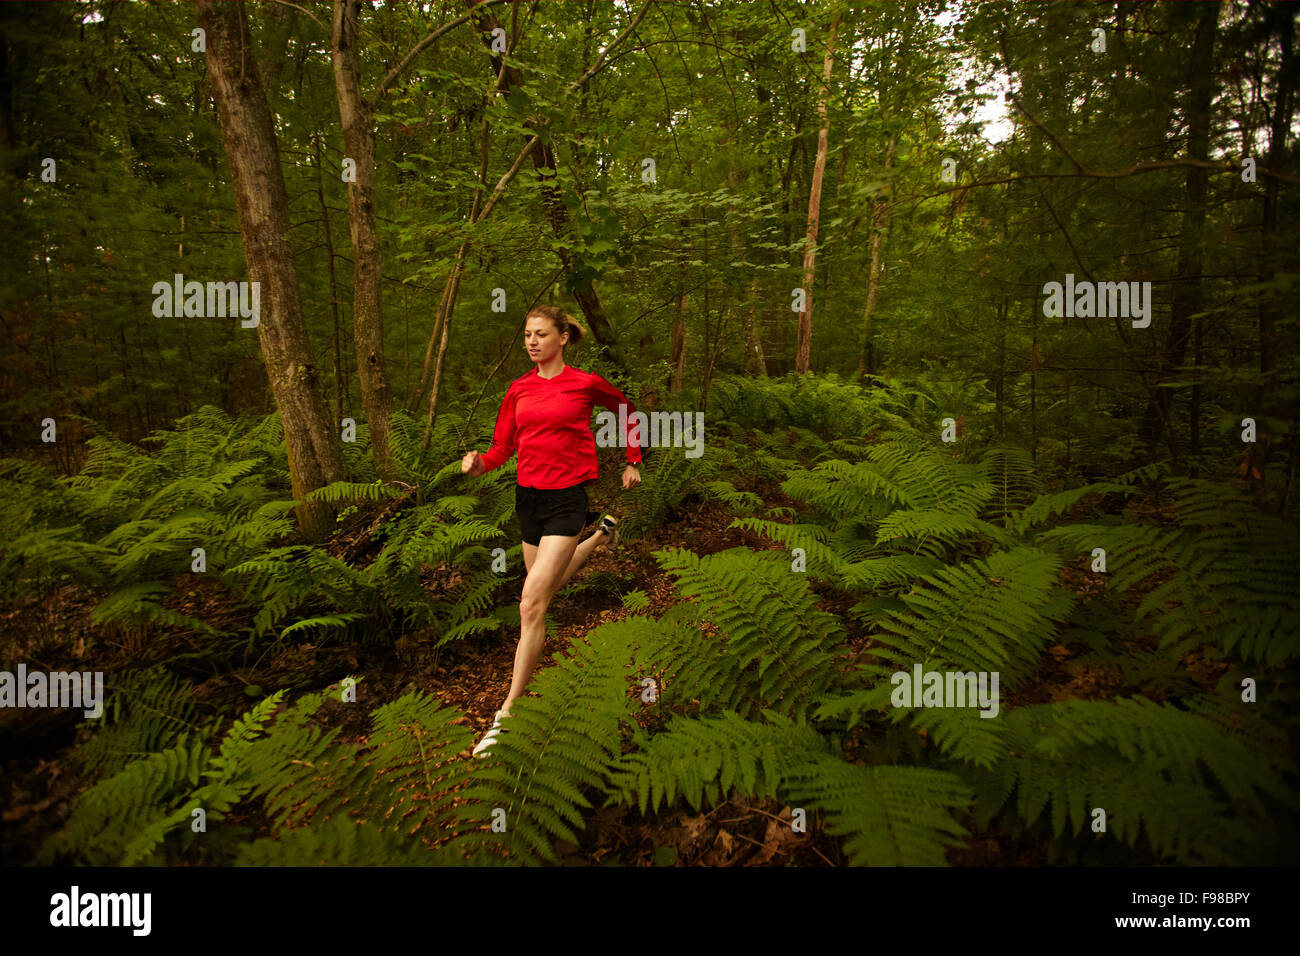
x=472, y=464
x=631, y=476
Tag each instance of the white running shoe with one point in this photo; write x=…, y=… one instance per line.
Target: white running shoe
x=609, y=525
x=490, y=737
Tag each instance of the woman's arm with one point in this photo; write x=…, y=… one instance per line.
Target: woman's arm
x=603, y=393
x=503, y=436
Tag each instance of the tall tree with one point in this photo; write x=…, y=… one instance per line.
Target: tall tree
x=534, y=144
x=814, y=204
x=357, y=117
x=357, y=113
x=543, y=159
x=1186, y=302
x=248, y=131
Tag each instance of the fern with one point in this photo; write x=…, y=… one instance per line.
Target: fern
x=343, y=842
x=110, y=814
x=216, y=797
x=145, y=712
x=772, y=647
x=1141, y=763
x=890, y=815
x=1045, y=506
x=1226, y=575
x=132, y=606
x=553, y=747
x=414, y=748
x=407, y=782
x=337, y=491
x=994, y=614
x=936, y=532
x=741, y=502
x=636, y=600
x=823, y=561
x=960, y=733
x=1011, y=472
x=285, y=579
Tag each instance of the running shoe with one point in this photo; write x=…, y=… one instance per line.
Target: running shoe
x=609, y=525
x=490, y=737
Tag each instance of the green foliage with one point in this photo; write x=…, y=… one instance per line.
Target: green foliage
x=145, y=711
x=636, y=600
x=738, y=501
x=970, y=566
x=1014, y=478
x=826, y=405
x=1225, y=570
x=889, y=815
x=129, y=523
x=668, y=478
x=1197, y=793
x=402, y=784
x=340, y=841
x=767, y=645
x=113, y=814
x=994, y=614
x=353, y=491
x=553, y=748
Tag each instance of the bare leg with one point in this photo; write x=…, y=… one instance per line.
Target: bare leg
x=546, y=570
x=580, y=555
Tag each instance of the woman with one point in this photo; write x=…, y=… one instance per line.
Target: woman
x=546, y=416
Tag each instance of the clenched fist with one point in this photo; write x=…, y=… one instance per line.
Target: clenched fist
x=472, y=464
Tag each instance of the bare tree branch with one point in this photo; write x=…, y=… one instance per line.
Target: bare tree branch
x=416, y=50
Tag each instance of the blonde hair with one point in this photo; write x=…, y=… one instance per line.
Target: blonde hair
x=562, y=321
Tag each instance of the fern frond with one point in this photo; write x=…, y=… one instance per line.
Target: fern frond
x=994, y=614
x=110, y=815
x=773, y=644
x=1151, y=767
x=554, y=747
x=146, y=711
x=340, y=841
x=890, y=816
x=337, y=491
x=1045, y=506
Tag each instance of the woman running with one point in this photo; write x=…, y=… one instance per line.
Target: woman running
x=546, y=416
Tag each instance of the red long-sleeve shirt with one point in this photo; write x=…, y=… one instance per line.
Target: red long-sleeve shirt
x=548, y=422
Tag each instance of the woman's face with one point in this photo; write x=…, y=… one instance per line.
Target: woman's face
x=541, y=340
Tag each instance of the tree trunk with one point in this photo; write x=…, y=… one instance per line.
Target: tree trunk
x=1186, y=298
x=678, y=357
x=367, y=292
x=263, y=207
x=1282, y=16
x=814, y=206
x=543, y=160
x=873, y=276
x=596, y=319
x=340, y=380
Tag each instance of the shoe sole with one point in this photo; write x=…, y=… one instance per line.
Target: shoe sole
x=611, y=535
x=488, y=739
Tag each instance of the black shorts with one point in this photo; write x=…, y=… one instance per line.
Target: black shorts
x=545, y=511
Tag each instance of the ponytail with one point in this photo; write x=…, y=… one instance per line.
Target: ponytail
x=562, y=321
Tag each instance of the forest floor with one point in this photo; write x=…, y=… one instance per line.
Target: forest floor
x=38, y=784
